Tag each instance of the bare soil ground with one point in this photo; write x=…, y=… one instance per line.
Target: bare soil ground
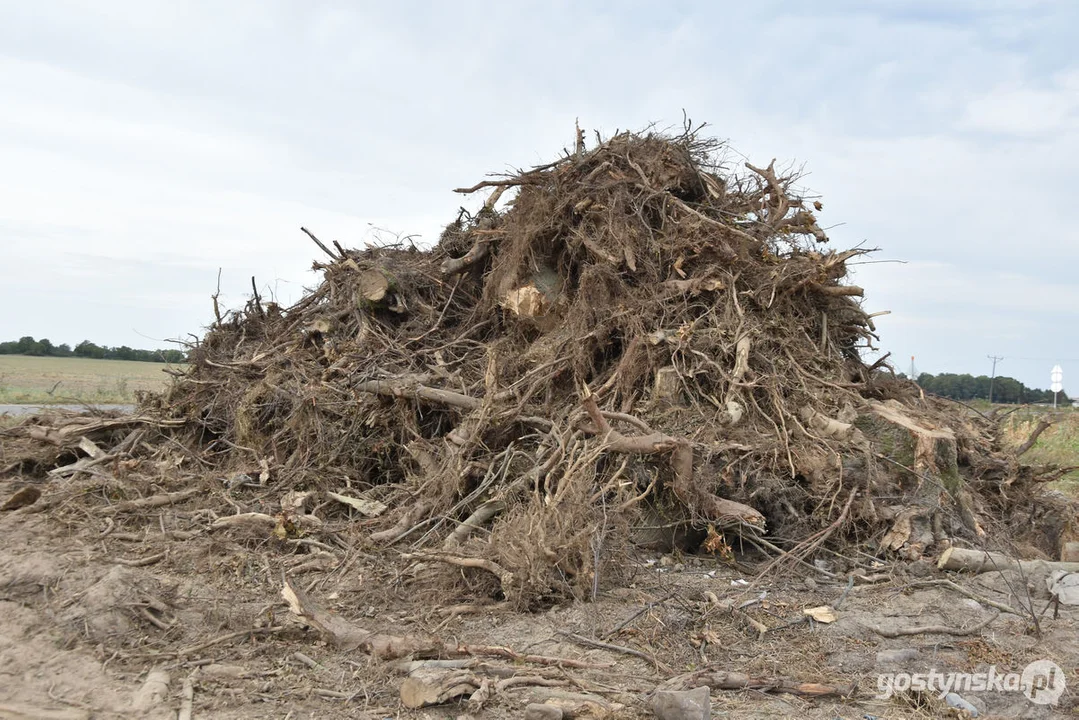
x=92, y=603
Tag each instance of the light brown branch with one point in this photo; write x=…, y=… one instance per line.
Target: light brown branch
x=508, y=182
x=838, y=290
x=150, y=502
x=935, y=629
x=711, y=506
x=452, y=266
x=1042, y=426
x=398, y=388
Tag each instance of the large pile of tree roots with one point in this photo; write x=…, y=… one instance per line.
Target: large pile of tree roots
x=634, y=337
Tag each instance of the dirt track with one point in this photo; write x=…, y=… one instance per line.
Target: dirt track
x=79, y=632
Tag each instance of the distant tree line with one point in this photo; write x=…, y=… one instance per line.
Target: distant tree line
x=969, y=387
x=44, y=348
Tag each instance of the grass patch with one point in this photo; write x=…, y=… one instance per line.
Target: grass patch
x=52, y=380
x=1059, y=445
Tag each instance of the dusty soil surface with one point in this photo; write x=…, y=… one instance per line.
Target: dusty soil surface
x=21, y=410
x=93, y=605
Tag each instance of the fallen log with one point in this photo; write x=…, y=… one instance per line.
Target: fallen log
x=979, y=561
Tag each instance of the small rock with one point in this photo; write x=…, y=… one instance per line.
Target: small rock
x=697, y=562
x=956, y=700
x=154, y=690
x=695, y=704
x=810, y=583
x=921, y=568
x=238, y=481
x=21, y=498
x=666, y=561
x=219, y=671
x=896, y=657
x=539, y=711
x=977, y=702
x=678, y=567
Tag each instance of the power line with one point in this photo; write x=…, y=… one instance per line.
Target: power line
x=993, y=377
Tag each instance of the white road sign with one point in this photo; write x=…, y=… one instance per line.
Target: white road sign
x=1056, y=378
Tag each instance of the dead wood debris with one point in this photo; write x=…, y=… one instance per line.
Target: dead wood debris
x=623, y=330
x=722, y=680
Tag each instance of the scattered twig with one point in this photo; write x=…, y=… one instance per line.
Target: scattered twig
x=1003, y=607
x=580, y=639
x=842, y=598
x=141, y=562
x=199, y=647
x=307, y=660
x=934, y=629
x=720, y=680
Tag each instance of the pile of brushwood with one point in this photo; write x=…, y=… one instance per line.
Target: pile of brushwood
x=635, y=335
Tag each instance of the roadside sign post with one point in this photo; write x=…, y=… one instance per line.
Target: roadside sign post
x=1056, y=383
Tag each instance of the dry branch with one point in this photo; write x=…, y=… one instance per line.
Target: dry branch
x=721, y=680
x=589, y=642
x=1041, y=427
x=979, y=561
x=319, y=243
x=839, y=290
x=1003, y=607
x=154, y=501
x=187, y=700
x=345, y=635
x=393, y=387
x=935, y=629
x=476, y=520
x=712, y=507
x=479, y=251
x=505, y=577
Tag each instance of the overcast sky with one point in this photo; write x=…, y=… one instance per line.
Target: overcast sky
x=144, y=145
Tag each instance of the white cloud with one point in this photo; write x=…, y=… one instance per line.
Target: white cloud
x=1013, y=108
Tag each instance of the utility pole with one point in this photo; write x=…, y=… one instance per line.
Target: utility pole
x=993, y=377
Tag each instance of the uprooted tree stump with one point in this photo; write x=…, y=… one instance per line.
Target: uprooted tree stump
x=635, y=331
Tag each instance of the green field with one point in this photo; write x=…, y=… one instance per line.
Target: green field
x=52, y=380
